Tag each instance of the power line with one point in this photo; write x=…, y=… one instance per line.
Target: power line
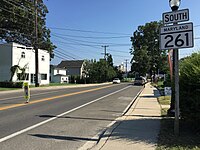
x=93, y=46
x=75, y=43
x=99, y=43
x=57, y=55
x=1, y=8
x=78, y=49
x=78, y=30
x=65, y=54
x=16, y=32
x=8, y=2
x=119, y=56
x=91, y=37
x=22, y=24
x=61, y=54
x=117, y=51
x=69, y=53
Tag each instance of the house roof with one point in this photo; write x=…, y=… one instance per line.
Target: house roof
x=56, y=67
x=71, y=64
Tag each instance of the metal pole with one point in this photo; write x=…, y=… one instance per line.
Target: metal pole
x=176, y=89
x=177, y=111
x=126, y=67
x=176, y=77
x=36, y=47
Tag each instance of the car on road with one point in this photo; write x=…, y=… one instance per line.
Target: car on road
x=139, y=81
x=116, y=81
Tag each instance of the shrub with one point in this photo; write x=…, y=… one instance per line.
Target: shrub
x=190, y=88
x=11, y=84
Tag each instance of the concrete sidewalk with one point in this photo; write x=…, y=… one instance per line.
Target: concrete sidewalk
x=138, y=129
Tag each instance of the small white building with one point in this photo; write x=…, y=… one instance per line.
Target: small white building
x=121, y=67
x=12, y=54
x=58, y=75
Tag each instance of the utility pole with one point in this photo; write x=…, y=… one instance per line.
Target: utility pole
x=126, y=65
x=126, y=68
x=105, y=46
x=36, y=47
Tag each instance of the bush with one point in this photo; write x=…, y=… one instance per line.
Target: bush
x=190, y=88
x=11, y=84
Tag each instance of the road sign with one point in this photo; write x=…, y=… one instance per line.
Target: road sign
x=168, y=91
x=176, y=16
x=176, y=36
x=26, y=91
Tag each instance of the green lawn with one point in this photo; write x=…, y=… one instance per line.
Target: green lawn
x=8, y=89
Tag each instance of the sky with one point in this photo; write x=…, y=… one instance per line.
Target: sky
x=79, y=28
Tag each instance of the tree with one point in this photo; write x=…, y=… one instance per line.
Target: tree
x=147, y=57
x=99, y=71
x=110, y=60
x=14, y=69
x=17, y=23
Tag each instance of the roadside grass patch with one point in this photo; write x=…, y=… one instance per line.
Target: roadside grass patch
x=8, y=89
x=164, y=100
x=189, y=138
x=164, y=112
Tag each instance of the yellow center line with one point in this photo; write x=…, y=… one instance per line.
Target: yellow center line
x=52, y=98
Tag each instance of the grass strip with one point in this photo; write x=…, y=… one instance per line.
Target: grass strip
x=189, y=138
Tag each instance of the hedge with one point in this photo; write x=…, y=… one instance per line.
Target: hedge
x=190, y=88
x=11, y=84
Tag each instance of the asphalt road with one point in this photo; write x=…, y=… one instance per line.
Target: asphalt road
x=61, y=118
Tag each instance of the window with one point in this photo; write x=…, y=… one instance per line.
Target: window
x=21, y=76
x=57, y=71
x=43, y=58
x=32, y=78
x=23, y=55
x=43, y=76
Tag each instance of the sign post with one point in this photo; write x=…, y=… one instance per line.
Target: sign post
x=174, y=37
x=26, y=91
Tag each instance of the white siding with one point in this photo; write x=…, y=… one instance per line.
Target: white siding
x=13, y=53
x=5, y=61
x=59, y=71
x=44, y=65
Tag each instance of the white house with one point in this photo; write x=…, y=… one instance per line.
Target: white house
x=121, y=67
x=58, y=75
x=12, y=54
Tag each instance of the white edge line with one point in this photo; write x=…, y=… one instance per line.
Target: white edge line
x=51, y=119
x=91, y=144
x=131, y=103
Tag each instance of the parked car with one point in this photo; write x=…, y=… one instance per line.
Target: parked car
x=116, y=81
x=139, y=81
